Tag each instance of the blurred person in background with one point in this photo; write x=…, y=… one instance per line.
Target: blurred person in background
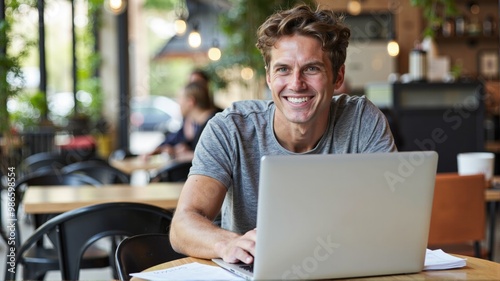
x=196, y=108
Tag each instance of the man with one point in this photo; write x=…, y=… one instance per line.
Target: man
x=304, y=52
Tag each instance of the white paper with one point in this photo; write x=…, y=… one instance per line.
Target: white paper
x=190, y=271
x=437, y=260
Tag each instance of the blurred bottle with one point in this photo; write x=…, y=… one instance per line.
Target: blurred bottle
x=488, y=26
x=474, y=26
x=418, y=64
x=460, y=23
x=448, y=29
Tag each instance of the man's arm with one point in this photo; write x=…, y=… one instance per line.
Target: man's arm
x=192, y=231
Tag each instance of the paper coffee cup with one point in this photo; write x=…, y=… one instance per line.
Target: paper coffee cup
x=476, y=163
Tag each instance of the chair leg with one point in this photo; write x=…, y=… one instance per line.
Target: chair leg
x=34, y=272
x=115, y=240
x=477, y=249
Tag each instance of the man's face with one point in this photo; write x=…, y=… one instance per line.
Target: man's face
x=300, y=77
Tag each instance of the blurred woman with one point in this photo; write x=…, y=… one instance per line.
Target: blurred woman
x=196, y=108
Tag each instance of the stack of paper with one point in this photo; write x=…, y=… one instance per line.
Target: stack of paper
x=437, y=259
x=190, y=271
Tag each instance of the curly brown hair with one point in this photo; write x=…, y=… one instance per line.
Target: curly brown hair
x=324, y=25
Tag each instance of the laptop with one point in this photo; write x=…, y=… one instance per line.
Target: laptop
x=342, y=215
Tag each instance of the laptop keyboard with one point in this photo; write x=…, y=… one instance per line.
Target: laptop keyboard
x=247, y=267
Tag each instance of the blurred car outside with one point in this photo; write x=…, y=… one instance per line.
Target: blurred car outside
x=151, y=118
x=155, y=113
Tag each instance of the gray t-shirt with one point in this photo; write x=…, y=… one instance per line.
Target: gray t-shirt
x=233, y=142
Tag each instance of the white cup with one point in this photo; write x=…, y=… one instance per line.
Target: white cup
x=139, y=178
x=471, y=163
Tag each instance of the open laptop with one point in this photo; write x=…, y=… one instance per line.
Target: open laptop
x=339, y=216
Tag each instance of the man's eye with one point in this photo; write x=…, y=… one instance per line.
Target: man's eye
x=312, y=69
x=281, y=69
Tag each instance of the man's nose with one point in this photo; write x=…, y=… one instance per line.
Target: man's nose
x=297, y=82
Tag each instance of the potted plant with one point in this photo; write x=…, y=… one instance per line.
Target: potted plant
x=435, y=13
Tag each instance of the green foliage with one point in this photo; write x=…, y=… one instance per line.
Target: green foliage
x=161, y=5
x=30, y=108
x=435, y=12
x=89, y=61
x=15, y=47
x=11, y=57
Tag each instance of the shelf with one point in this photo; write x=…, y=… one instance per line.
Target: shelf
x=467, y=38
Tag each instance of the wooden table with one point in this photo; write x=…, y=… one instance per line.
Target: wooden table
x=58, y=199
x=476, y=269
x=131, y=164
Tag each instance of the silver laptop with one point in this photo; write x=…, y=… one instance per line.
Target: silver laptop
x=339, y=216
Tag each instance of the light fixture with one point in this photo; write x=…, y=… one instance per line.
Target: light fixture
x=393, y=48
x=115, y=6
x=354, y=7
x=214, y=53
x=181, y=12
x=194, y=39
x=392, y=45
x=180, y=26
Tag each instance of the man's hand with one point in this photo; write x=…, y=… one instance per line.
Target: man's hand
x=239, y=249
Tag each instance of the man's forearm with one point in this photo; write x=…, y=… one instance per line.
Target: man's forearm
x=195, y=235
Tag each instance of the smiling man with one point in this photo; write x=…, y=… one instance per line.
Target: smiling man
x=304, y=51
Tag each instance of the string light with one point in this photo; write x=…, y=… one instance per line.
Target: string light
x=214, y=53
x=181, y=12
x=194, y=38
x=115, y=6
x=180, y=26
x=393, y=48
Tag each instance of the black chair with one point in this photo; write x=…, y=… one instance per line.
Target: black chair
x=137, y=253
x=42, y=162
x=73, y=232
x=176, y=171
x=99, y=170
x=41, y=259
x=52, y=161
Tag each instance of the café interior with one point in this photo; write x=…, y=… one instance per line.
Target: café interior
x=432, y=67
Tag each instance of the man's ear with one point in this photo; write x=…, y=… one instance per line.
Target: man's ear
x=340, y=77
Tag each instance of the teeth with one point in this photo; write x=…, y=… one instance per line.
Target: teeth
x=297, y=100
